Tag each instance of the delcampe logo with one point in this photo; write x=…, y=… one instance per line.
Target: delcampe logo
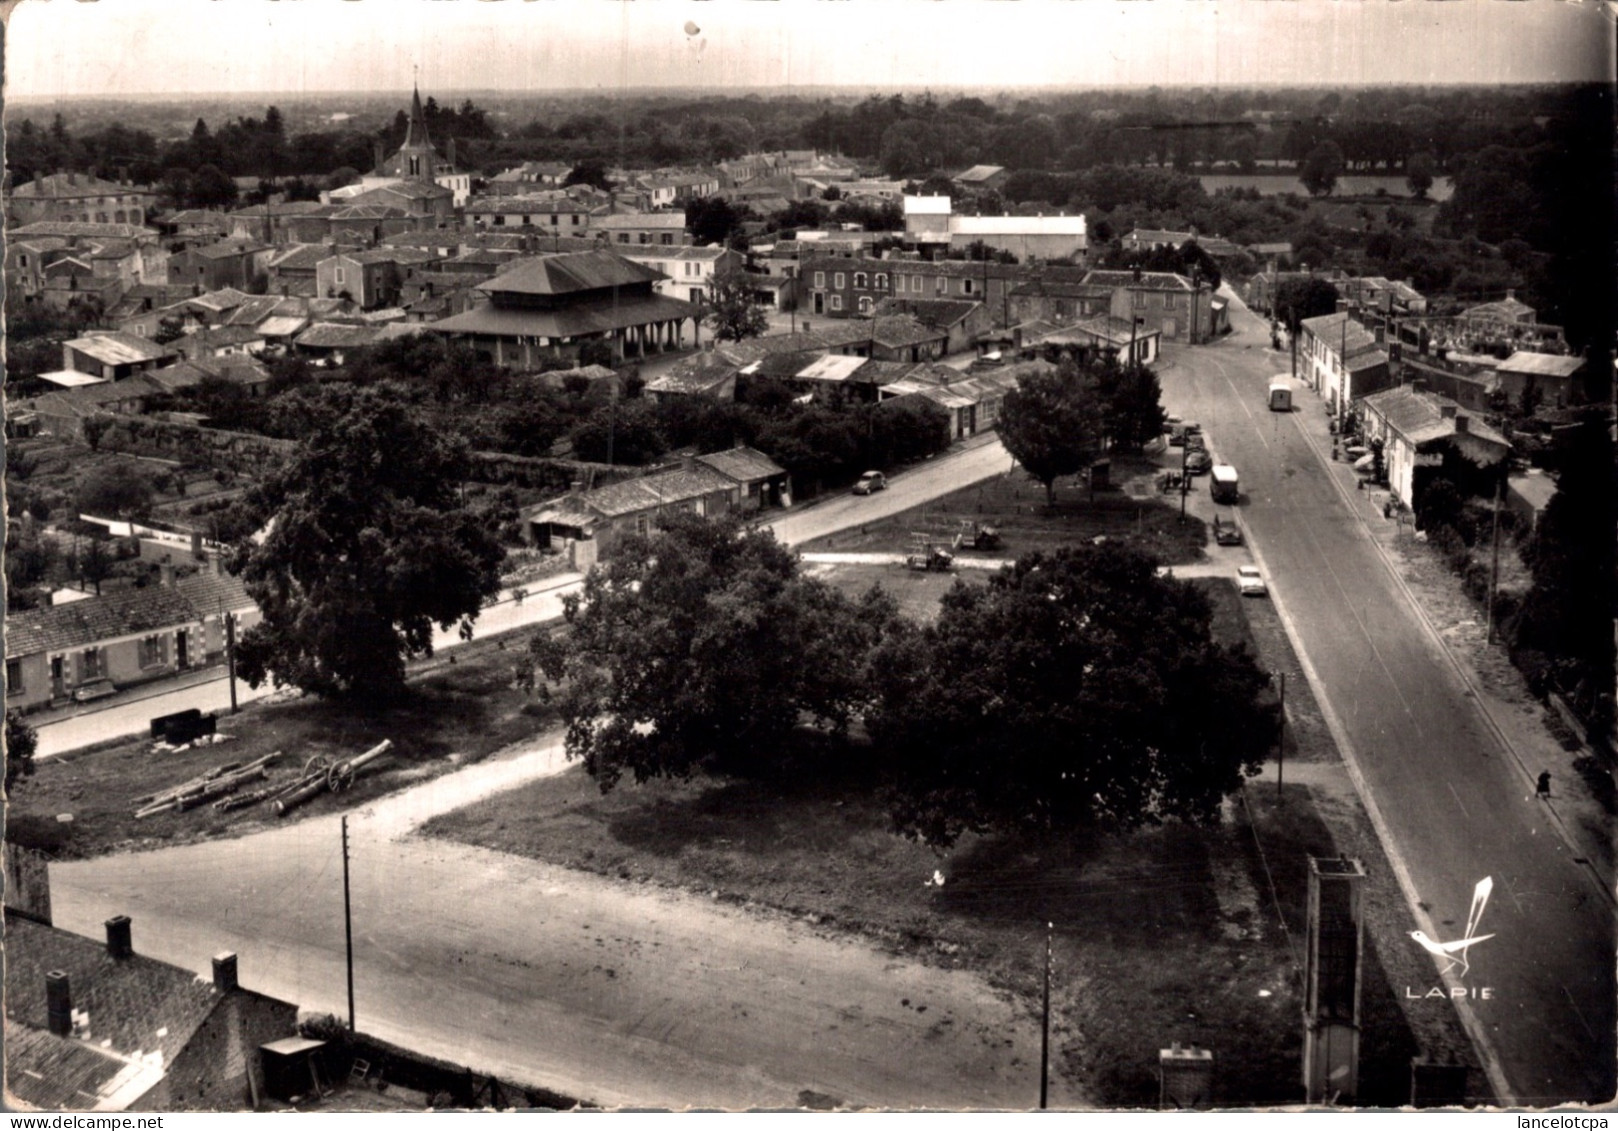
x=1457, y=954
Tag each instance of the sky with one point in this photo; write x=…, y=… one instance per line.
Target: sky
x=58, y=48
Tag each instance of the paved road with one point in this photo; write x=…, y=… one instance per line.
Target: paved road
x=982, y=457
x=617, y=994
x=1451, y=804
x=133, y=716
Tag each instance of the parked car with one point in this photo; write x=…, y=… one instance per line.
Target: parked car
x=869, y=482
x=1226, y=533
x=1250, y=582
x=1198, y=462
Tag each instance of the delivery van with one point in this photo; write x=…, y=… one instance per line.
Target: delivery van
x=1280, y=396
x=1223, y=486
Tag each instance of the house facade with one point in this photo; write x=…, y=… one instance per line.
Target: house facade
x=589, y=525
x=1417, y=429
x=1181, y=310
x=83, y=197
x=691, y=270
x=1340, y=359
x=643, y=229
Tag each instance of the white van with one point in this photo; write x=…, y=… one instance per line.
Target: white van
x=1225, y=487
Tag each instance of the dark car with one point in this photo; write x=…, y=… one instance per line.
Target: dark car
x=1198, y=462
x=869, y=482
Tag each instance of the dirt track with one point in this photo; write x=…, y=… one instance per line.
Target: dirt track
x=620, y=994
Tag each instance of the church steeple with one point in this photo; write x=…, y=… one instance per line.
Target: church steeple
x=416, y=134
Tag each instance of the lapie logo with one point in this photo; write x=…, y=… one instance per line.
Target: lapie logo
x=1456, y=955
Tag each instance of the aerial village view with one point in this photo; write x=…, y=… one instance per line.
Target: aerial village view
x=828, y=557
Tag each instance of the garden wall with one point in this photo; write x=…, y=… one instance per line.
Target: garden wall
x=241, y=452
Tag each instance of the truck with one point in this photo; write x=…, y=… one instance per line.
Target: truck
x=1224, y=484
x=1280, y=395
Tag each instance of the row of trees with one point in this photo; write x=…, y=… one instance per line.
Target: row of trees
x=1076, y=689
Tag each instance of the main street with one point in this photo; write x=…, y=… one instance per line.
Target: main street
x=1451, y=803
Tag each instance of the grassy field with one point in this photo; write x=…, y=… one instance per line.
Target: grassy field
x=1130, y=510
x=1167, y=934
x=456, y=713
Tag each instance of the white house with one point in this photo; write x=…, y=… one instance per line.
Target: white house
x=690, y=270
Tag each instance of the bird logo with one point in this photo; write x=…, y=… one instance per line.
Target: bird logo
x=1454, y=953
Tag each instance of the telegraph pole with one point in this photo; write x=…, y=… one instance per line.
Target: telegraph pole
x=1280, y=734
x=348, y=927
x=1045, y=1027
x=230, y=656
x=1494, y=556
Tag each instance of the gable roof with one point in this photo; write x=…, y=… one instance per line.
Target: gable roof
x=114, y=347
x=210, y=593
x=336, y=335
x=569, y=273
x=1148, y=281
x=1341, y=334
x=80, y=228
x=744, y=465
x=1541, y=364
x=979, y=173
x=938, y=312
x=108, y=617
x=897, y=330
x=1420, y=416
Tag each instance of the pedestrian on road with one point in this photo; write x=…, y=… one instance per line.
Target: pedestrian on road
x=1543, y=790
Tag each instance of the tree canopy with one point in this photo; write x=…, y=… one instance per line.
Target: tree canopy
x=732, y=310
x=21, y=742
x=1297, y=299
x=1321, y=168
x=368, y=549
x=1052, y=423
x=701, y=645
x=1567, y=613
x=1076, y=689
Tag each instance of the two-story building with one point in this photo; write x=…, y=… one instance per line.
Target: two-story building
x=229, y=263
x=553, y=214
x=1417, y=428
x=83, y=197
x=643, y=229
x=1341, y=360
x=691, y=271
x=1179, y=308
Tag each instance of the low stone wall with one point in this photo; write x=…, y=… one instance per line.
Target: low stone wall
x=546, y=473
x=241, y=452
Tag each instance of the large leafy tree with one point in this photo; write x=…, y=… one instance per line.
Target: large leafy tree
x=1133, y=401
x=368, y=549
x=1320, y=170
x=1567, y=612
x=701, y=645
x=732, y=311
x=1297, y=299
x=1075, y=690
x=21, y=742
x=1053, y=423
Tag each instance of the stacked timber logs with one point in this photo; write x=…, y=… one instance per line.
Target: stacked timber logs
x=215, y=783
x=220, y=784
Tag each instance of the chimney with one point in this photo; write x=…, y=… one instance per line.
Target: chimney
x=449, y=147
x=1463, y=423
x=166, y=575
x=224, y=972
x=119, y=944
x=1418, y=385
x=1510, y=294
x=58, y=1004
x=376, y=151
x=1446, y=412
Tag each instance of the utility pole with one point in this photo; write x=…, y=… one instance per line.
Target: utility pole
x=1045, y=1027
x=1494, y=556
x=1185, y=480
x=1280, y=734
x=348, y=927
x=230, y=654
